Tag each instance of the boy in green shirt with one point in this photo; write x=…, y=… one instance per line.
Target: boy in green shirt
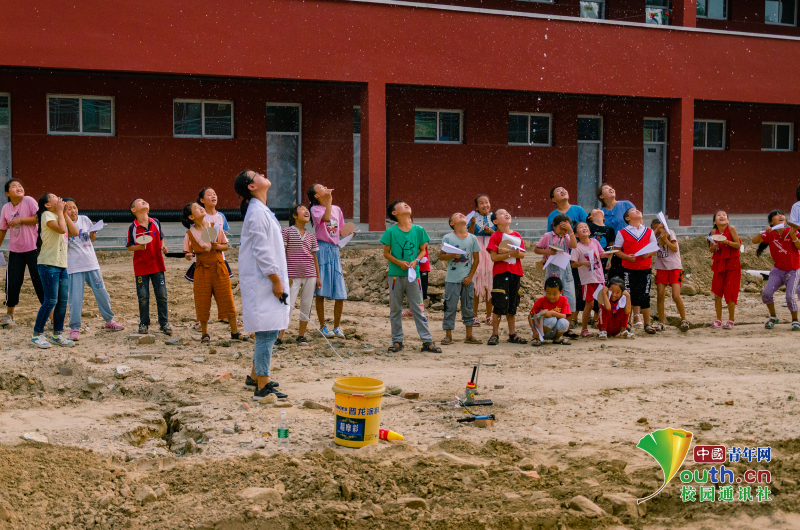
x=404, y=244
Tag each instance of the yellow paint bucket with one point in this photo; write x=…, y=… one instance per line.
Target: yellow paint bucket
x=357, y=410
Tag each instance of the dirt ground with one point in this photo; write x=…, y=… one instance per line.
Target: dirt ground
x=166, y=447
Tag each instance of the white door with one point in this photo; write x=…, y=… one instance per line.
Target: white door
x=590, y=160
x=357, y=163
x=654, y=180
x=5, y=143
x=284, y=148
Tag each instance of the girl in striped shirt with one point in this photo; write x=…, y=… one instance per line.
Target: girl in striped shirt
x=301, y=260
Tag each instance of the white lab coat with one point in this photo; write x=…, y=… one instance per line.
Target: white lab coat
x=261, y=253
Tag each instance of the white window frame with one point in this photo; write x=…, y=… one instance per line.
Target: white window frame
x=724, y=131
x=549, y=129
x=10, y=156
x=437, y=141
x=80, y=115
x=793, y=25
x=299, y=135
x=714, y=18
x=539, y=1
x=203, y=118
x=775, y=136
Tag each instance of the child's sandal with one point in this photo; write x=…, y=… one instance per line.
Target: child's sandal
x=396, y=347
x=728, y=325
x=430, y=347
x=206, y=339
x=685, y=325
x=471, y=340
x=446, y=341
x=493, y=340
x=771, y=322
x=516, y=339
x=795, y=325
x=649, y=330
x=240, y=336
x=563, y=341
x=536, y=343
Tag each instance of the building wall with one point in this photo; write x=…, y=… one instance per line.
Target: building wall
x=144, y=160
x=747, y=16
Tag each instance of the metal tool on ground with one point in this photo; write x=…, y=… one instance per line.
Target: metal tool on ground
x=472, y=389
x=470, y=419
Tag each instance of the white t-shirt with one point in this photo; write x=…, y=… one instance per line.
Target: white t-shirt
x=594, y=272
x=80, y=252
x=794, y=216
x=666, y=260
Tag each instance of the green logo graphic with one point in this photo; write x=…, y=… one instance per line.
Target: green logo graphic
x=669, y=448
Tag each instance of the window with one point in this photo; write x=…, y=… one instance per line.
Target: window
x=776, y=136
x=442, y=126
x=528, y=129
x=592, y=9
x=589, y=129
x=655, y=131
x=712, y=9
x=709, y=134
x=80, y=115
x=356, y=120
x=783, y=12
x=196, y=118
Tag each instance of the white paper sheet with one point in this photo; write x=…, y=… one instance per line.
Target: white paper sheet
x=424, y=260
x=99, y=225
x=560, y=260
x=412, y=275
x=514, y=242
x=776, y=227
x=597, y=292
x=538, y=325
x=515, y=247
x=652, y=247
x=663, y=222
x=623, y=301
x=710, y=239
x=345, y=240
x=2, y=259
x=450, y=249
x=470, y=215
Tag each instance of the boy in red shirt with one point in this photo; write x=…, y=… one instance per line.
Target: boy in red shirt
x=506, y=275
x=631, y=239
x=553, y=309
x=148, y=264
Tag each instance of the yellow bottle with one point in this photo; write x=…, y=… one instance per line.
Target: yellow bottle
x=389, y=436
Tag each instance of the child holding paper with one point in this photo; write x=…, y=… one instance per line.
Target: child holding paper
x=669, y=273
x=605, y=235
x=461, y=251
x=404, y=244
x=586, y=258
x=726, y=267
x=83, y=268
x=638, y=245
x=553, y=309
x=783, y=245
x=506, y=249
x=557, y=265
x=615, y=310
x=482, y=227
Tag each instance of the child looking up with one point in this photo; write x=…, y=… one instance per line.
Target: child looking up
x=562, y=236
x=148, y=265
x=726, y=267
x=207, y=198
x=301, y=259
x=631, y=239
x=404, y=245
x=83, y=269
x=553, y=307
x=54, y=228
x=18, y=217
x=507, y=272
x=605, y=235
x=669, y=273
x=458, y=281
x=586, y=258
x=783, y=246
x=576, y=214
x=482, y=227
x=211, y=276
x=615, y=310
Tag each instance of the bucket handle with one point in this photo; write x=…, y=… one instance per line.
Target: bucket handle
x=357, y=395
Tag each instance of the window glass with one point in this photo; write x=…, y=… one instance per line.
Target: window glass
x=787, y=12
x=424, y=125
x=699, y=134
x=591, y=9
x=356, y=120
x=283, y=118
x=517, y=129
x=783, y=137
x=186, y=118
x=65, y=115
x=589, y=129
x=772, y=10
x=219, y=119
x=3, y=110
x=714, y=135
x=654, y=131
x=540, y=130
x=96, y=115
x=717, y=9
x=767, y=136
x=701, y=8
x=449, y=127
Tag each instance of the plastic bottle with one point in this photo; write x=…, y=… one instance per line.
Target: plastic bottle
x=283, y=428
x=389, y=436
x=470, y=394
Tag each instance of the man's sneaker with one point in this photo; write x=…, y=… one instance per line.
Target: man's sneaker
x=252, y=384
x=327, y=333
x=259, y=394
x=142, y=329
x=338, y=332
x=61, y=340
x=7, y=321
x=74, y=334
x=113, y=326
x=166, y=329
x=40, y=341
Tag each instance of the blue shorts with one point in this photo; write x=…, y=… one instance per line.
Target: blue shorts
x=330, y=272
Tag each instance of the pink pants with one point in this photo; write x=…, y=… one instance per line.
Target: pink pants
x=777, y=278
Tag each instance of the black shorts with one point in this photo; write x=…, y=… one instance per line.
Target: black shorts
x=505, y=294
x=580, y=303
x=638, y=284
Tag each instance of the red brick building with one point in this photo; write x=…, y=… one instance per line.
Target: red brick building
x=432, y=103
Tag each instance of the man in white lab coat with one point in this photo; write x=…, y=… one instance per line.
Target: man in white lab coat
x=264, y=278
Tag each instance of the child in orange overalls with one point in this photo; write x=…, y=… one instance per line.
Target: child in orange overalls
x=211, y=274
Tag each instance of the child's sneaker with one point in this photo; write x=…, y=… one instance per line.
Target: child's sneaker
x=324, y=331
x=74, y=334
x=166, y=329
x=259, y=394
x=40, y=341
x=142, y=329
x=627, y=334
x=113, y=326
x=7, y=321
x=602, y=335
x=406, y=313
x=61, y=340
x=301, y=339
x=338, y=332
